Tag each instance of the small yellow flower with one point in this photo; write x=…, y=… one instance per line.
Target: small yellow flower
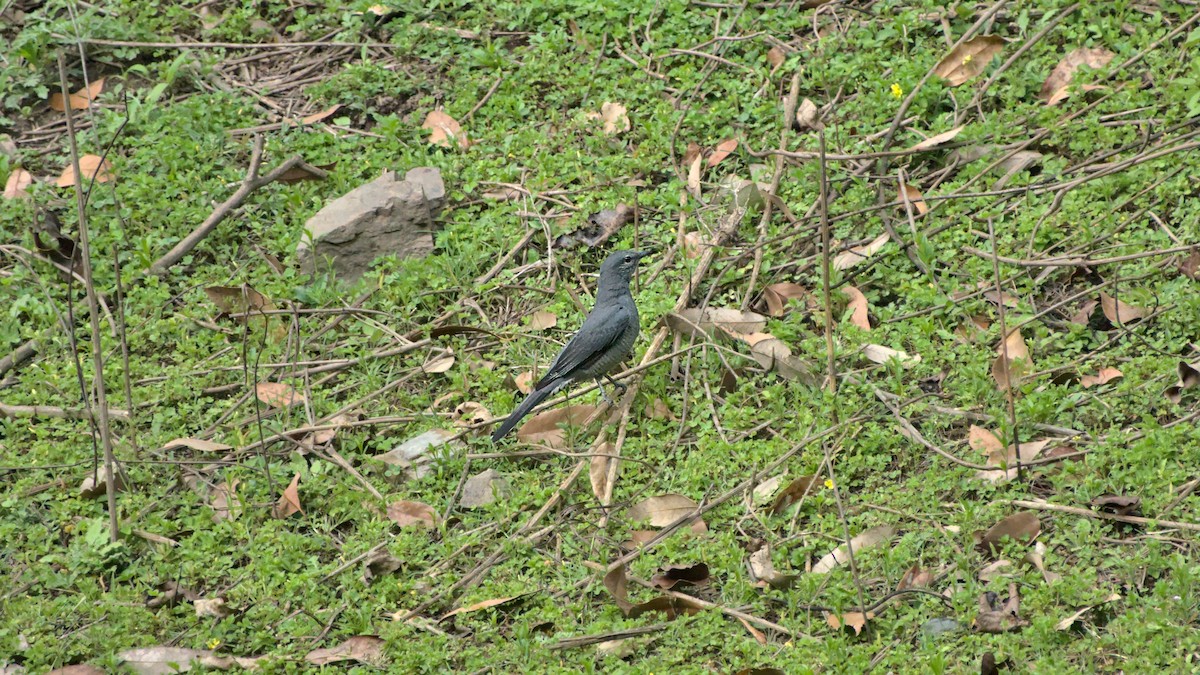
x=214, y=643
x=967, y=58
x=897, y=90
x=828, y=484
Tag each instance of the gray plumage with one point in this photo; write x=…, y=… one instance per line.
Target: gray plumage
x=604, y=340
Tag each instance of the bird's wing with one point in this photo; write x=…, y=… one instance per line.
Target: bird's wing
x=602, y=328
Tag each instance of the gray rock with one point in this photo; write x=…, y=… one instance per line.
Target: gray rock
x=384, y=217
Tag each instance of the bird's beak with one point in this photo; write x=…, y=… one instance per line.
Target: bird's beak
x=643, y=254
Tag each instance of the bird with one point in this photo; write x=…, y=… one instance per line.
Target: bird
x=604, y=340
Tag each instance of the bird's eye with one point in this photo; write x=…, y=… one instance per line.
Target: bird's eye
x=628, y=259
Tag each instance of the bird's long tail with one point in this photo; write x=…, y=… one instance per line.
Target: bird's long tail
x=535, y=397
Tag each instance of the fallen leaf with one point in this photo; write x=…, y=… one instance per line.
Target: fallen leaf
x=858, y=307
x=722, y=151
x=1036, y=557
x=80, y=100
x=692, y=151
x=997, y=569
x=162, y=660
x=875, y=536
x=1022, y=527
x=1005, y=460
x=600, y=226
x=1188, y=266
x=851, y=257
x=1057, y=84
x=996, y=618
x=211, y=607
x=365, y=649
x=95, y=484
x=882, y=354
x=225, y=503
x=1012, y=361
x=775, y=57
x=755, y=633
x=912, y=195
x=524, y=382
x=318, y=116
x=763, y=572
x=693, y=177
x=1105, y=376
x=289, y=501
x=699, y=321
x=304, y=172
x=380, y=564
x=934, y=141
x=483, y=488
x=542, y=320
x=238, y=300
x=405, y=513
x=18, y=180
x=1084, y=315
x=197, y=444
x=1121, y=505
x=776, y=296
x=445, y=130
x=795, y=491
x=545, y=428
x=438, y=361
x=483, y=604
x=968, y=59
x=854, y=620
x=773, y=354
x=414, y=454
x=1070, y=621
x=764, y=492
x=598, y=469
x=277, y=394
x=470, y=414
x=915, y=577
x=681, y=575
x=808, y=116
x=91, y=166
x=1120, y=313
x=662, y=510
x=1189, y=376
x=616, y=120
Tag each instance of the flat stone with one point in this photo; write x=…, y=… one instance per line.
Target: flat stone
x=384, y=217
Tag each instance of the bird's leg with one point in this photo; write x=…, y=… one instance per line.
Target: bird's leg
x=616, y=384
x=604, y=394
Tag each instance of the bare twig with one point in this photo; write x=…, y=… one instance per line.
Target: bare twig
x=1098, y=515
x=7, y=410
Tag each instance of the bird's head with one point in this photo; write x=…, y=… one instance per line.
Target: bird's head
x=621, y=264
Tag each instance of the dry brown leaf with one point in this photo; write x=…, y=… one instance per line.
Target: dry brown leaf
x=89, y=166
x=365, y=649
x=968, y=59
x=18, y=180
x=1036, y=557
x=616, y=119
x=1065, y=93
x=997, y=569
x=1070, y=621
x=469, y=414
x=681, y=575
x=289, y=501
x=277, y=394
x=1012, y=361
x=1057, y=84
x=445, y=130
x=1002, y=618
x=851, y=257
x=544, y=428
x=1189, y=376
x=808, y=116
x=238, y=300
x=542, y=320
x=1105, y=376
x=77, y=669
x=484, y=488
x=524, y=382
x=1022, y=527
x=755, y=633
x=693, y=177
x=80, y=99
x=854, y=620
x=911, y=195
x=915, y=577
x=776, y=296
x=722, y=151
x=197, y=444
x=773, y=354
x=211, y=608
x=700, y=321
x=1005, y=460
x=1084, y=315
x=763, y=572
x=875, y=536
x=934, y=141
x=1190, y=266
x=404, y=513
x=160, y=660
x=483, y=604
x=858, y=307
x=439, y=361
x=598, y=469
x=318, y=116
x=796, y=490
x=662, y=510
x=304, y=172
x=693, y=244
x=658, y=410
x=95, y=484
x=1120, y=313
x=1122, y=505
x=882, y=354
x=775, y=57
